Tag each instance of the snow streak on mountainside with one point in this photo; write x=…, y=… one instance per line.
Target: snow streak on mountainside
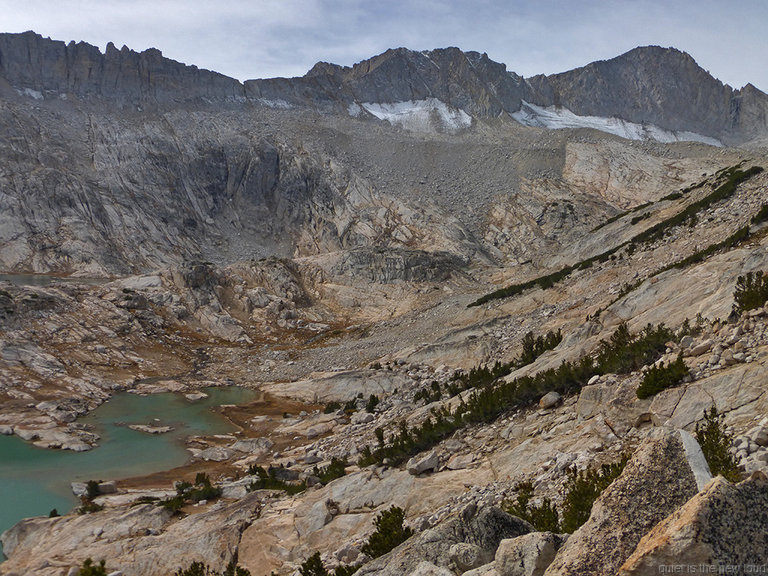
x=558, y=118
x=421, y=116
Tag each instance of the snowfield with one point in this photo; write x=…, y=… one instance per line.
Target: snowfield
x=430, y=115
x=556, y=118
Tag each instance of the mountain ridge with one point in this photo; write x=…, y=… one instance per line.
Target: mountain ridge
x=660, y=86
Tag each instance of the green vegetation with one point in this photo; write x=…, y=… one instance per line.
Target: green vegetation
x=659, y=378
x=535, y=347
x=625, y=353
x=582, y=489
x=202, y=489
x=761, y=216
x=732, y=241
x=751, y=292
x=622, y=214
x=91, y=489
x=389, y=533
x=673, y=196
x=543, y=517
x=332, y=407
x=90, y=569
x=482, y=375
x=200, y=569
x=715, y=442
x=313, y=566
x=373, y=400
x=268, y=480
x=732, y=178
x=336, y=469
x=490, y=398
x=87, y=505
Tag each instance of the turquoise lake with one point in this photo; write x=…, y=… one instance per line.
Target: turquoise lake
x=35, y=480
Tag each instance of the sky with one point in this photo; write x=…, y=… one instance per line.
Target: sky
x=266, y=38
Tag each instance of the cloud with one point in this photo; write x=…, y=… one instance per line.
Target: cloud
x=265, y=38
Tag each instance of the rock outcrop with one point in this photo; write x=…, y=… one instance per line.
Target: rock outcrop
x=45, y=68
x=483, y=527
x=159, y=544
x=662, y=475
x=723, y=525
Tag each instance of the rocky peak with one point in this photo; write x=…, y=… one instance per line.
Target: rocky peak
x=661, y=86
x=45, y=68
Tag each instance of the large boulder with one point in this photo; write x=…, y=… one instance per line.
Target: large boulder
x=527, y=555
x=663, y=474
x=484, y=527
x=420, y=464
x=724, y=525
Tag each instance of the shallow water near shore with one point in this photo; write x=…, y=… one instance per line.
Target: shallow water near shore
x=36, y=480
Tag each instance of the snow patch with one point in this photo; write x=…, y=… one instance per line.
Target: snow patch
x=279, y=104
x=430, y=115
x=556, y=118
x=37, y=95
x=354, y=110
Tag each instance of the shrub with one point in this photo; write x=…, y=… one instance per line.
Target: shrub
x=313, y=566
x=267, y=480
x=332, y=407
x=715, y=442
x=336, y=469
x=751, y=292
x=91, y=489
x=761, y=216
x=582, y=489
x=200, y=569
x=543, y=518
x=202, y=489
x=389, y=533
x=535, y=347
x=659, y=378
x=90, y=569
x=88, y=506
x=373, y=400
x=625, y=353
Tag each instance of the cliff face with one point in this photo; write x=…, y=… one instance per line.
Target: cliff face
x=29, y=61
x=660, y=86
x=469, y=81
x=648, y=85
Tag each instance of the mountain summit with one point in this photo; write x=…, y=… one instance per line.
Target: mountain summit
x=652, y=87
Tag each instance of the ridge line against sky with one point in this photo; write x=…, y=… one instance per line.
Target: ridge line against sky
x=248, y=39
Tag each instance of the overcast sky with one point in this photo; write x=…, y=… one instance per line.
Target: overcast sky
x=266, y=38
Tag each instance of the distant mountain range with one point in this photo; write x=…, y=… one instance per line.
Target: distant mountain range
x=649, y=92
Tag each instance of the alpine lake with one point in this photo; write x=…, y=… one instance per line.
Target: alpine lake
x=36, y=481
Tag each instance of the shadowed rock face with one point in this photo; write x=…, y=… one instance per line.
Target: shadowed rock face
x=29, y=61
x=469, y=81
